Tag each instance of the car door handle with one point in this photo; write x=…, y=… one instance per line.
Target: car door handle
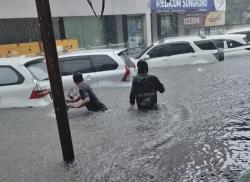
x=88, y=77
x=193, y=56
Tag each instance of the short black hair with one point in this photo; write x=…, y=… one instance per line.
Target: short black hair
x=77, y=77
x=142, y=66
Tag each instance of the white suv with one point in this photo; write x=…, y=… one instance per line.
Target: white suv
x=17, y=86
x=244, y=31
x=181, y=51
x=234, y=45
x=100, y=68
x=24, y=80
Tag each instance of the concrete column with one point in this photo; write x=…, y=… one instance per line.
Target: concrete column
x=154, y=28
x=119, y=29
x=181, y=25
x=147, y=29
x=147, y=24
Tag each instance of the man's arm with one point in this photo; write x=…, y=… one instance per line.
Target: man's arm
x=75, y=99
x=80, y=104
x=159, y=85
x=132, y=94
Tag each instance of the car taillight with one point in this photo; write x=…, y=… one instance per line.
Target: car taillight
x=36, y=94
x=127, y=73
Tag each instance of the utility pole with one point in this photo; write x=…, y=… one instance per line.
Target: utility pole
x=49, y=45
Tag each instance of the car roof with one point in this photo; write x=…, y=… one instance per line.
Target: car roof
x=198, y=38
x=179, y=39
x=238, y=30
x=22, y=60
x=91, y=52
x=227, y=36
x=18, y=60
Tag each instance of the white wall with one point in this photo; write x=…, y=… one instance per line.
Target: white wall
x=17, y=8
x=27, y=8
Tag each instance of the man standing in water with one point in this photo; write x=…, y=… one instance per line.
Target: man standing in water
x=86, y=96
x=144, y=88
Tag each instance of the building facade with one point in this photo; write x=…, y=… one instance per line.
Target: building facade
x=186, y=17
x=123, y=21
x=139, y=22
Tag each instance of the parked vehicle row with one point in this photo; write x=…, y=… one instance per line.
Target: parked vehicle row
x=24, y=80
x=194, y=50
x=181, y=51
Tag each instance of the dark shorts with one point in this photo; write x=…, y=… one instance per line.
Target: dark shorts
x=98, y=108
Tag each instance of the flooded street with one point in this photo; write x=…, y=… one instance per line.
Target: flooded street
x=200, y=133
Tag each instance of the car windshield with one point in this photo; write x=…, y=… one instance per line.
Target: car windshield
x=38, y=69
x=143, y=52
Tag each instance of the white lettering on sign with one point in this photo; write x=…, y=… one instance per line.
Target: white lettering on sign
x=194, y=3
x=171, y=4
x=192, y=21
x=182, y=4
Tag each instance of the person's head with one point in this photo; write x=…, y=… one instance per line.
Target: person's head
x=77, y=77
x=142, y=67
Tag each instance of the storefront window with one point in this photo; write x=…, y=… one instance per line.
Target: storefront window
x=167, y=25
x=88, y=31
x=135, y=30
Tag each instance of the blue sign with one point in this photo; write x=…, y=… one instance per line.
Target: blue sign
x=183, y=5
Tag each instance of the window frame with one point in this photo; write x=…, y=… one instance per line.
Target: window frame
x=223, y=41
x=196, y=43
x=170, y=52
x=72, y=58
x=233, y=41
x=159, y=47
x=20, y=80
x=34, y=62
x=179, y=43
x=93, y=66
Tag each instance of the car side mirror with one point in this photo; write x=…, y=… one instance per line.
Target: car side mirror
x=220, y=54
x=220, y=50
x=146, y=57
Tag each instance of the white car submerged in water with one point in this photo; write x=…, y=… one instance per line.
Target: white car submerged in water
x=234, y=45
x=181, y=51
x=24, y=80
x=18, y=87
x=244, y=31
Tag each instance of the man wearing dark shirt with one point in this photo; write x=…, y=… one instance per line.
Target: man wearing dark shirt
x=144, y=88
x=86, y=96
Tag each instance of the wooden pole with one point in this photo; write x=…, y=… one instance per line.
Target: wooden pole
x=49, y=45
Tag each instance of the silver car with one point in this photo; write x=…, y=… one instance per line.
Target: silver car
x=100, y=68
